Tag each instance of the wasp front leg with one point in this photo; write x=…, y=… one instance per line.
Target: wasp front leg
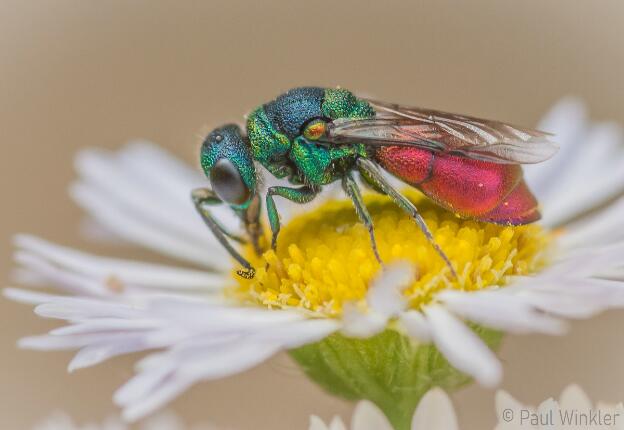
x=300, y=195
x=205, y=196
x=372, y=174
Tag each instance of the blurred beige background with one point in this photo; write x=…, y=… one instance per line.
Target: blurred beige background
x=79, y=73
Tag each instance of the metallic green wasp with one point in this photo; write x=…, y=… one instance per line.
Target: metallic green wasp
x=315, y=136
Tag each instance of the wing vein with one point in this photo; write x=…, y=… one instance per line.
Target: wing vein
x=434, y=130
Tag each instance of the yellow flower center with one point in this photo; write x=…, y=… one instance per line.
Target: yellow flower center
x=324, y=257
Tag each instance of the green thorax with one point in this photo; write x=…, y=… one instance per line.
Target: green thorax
x=273, y=131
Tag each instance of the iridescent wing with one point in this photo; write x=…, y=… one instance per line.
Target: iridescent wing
x=482, y=139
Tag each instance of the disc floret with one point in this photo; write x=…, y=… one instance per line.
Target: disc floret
x=324, y=258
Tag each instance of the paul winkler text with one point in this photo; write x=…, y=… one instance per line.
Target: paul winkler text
x=567, y=417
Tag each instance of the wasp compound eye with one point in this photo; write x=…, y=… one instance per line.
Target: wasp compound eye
x=227, y=183
x=315, y=129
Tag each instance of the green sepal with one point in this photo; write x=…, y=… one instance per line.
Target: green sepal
x=389, y=369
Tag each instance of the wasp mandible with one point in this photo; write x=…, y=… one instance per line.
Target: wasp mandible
x=315, y=136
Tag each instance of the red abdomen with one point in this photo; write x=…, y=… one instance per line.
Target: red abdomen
x=477, y=189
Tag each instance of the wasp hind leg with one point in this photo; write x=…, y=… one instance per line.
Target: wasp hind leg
x=204, y=196
x=372, y=174
x=353, y=191
x=300, y=195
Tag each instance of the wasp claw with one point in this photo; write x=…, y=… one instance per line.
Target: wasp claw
x=246, y=273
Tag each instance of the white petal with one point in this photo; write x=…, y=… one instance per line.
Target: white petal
x=504, y=403
x=153, y=401
x=144, y=382
x=163, y=421
x=163, y=376
x=96, y=354
x=197, y=366
x=614, y=273
x=73, y=308
x=157, y=166
x=202, y=316
x=586, y=151
x=384, y=299
x=225, y=360
x=416, y=325
x=164, y=177
x=94, y=325
x=95, y=232
x=384, y=295
x=147, y=185
x=367, y=416
x=154, y=275
x=582, y=263
x=600, y=160
x=565, y=304
x=356, y=323
x=48, y=343
x=26, y=296
x=147, y=235
x=317, y=424
x=574, y=398
x=570, y=296
x=66, y=281
x=104, y=175
x=462, y=348
x=567, y=121
x=501, y=311
x=601, y=228
x=435, y=412
x=167, y=174
x=337, y=424
x=57, y=421
x=60, y=343
x=300, y=333
x=549, y=407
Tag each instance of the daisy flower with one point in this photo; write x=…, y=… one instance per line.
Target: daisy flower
x=573, y=410
x=363, y=333
x=434, y=412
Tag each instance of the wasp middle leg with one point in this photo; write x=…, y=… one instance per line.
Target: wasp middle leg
x=372, y=174
x=205, y=196
x=353, y=191
x=301, y=195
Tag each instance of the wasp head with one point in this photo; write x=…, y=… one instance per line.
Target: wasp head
x=227, y=161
